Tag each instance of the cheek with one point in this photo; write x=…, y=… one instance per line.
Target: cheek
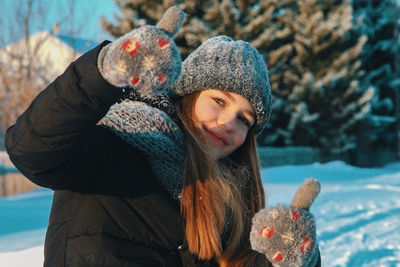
x=239, y=138
x=204, y=113
x=198, y=113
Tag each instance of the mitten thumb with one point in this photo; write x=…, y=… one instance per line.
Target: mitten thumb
x=306, y=194
x=171, y=21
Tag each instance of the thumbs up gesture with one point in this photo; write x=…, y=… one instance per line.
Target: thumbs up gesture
x=145, y=59
x=287, y=235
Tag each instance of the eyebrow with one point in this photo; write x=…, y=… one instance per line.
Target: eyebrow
x=228, y=95
x=251, y=113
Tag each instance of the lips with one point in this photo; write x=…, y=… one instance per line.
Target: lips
x=216, y=137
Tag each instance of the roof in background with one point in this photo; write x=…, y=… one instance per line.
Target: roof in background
x=52, y=52
x=78, y=44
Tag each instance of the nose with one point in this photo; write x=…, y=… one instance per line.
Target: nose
x=227, y=121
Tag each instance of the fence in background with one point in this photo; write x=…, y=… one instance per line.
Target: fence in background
x=274, y=156
x=2, y=148
x=11, y=180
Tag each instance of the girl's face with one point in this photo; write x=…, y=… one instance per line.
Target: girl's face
x=224, y=118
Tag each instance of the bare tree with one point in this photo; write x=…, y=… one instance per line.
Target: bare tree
x=25, y=52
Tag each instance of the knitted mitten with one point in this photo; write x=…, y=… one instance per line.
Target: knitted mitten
x=145, y=59
x=287, y=235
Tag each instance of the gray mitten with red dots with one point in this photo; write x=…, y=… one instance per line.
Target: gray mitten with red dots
x=145, y=59
x=287, y=235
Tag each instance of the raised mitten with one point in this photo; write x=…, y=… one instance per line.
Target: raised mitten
x=145, y=59
x=287, y=235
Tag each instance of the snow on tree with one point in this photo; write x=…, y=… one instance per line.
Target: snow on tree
x=314, y=75
x=311, y=50
x=200, y=23
x=377, y=19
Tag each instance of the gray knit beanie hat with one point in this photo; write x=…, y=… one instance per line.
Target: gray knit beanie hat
x=225, y=64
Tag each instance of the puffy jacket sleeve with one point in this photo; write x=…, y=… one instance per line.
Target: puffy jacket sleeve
x=56, y=142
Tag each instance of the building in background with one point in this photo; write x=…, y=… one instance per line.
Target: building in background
x=47, y=53
x=28, y=65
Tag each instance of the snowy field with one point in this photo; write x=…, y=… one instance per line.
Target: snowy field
x=357, y=213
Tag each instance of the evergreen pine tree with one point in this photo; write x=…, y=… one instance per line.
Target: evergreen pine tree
x=377, y=19
x=310, y=52
x=314, y=74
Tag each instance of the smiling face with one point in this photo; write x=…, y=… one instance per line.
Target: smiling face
x=224, y=118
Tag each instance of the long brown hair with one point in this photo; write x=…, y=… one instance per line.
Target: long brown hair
x=219, y=198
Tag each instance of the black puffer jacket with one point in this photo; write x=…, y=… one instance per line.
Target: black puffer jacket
x=108, y=209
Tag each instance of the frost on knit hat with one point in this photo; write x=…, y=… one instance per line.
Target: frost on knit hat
x=145, y=59
x=225, y=64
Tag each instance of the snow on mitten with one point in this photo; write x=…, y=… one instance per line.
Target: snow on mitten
x=145, y=59
x=287, y=235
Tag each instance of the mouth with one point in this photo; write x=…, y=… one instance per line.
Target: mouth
x=216, y=138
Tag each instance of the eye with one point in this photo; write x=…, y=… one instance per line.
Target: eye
x=244, y=121
x=219, y=101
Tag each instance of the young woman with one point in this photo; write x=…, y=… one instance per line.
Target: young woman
x=144, y=179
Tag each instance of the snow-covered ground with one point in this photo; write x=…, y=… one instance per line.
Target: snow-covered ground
x=357, y=213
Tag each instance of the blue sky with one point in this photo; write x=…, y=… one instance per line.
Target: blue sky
x=85, y=22
x=92, y=30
